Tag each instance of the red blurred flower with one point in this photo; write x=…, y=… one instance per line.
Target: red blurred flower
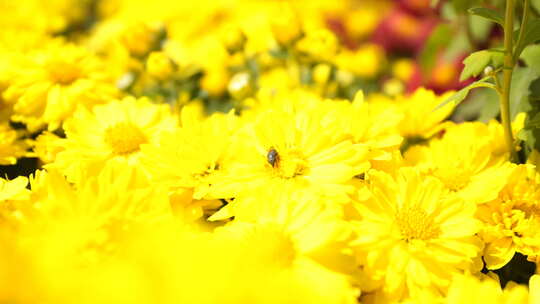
x=445, y=75
x=404, y=32
x=417, y=7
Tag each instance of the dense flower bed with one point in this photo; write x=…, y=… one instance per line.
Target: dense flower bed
x=260, y=152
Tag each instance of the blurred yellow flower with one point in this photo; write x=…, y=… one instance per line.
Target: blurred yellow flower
x=12, y=146
x=470, y=289
x=422, y=115
x=49, y=84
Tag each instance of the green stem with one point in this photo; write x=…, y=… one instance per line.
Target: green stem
x=507, y=77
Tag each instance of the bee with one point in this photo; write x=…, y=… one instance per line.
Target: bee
x=361, y=176
x=272, y=157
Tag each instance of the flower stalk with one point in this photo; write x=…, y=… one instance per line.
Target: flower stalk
x=508, y=69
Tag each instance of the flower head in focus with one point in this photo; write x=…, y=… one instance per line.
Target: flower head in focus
x=113, y=132
x=413, y=234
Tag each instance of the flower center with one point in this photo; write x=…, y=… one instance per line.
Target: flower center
x=64, y=73
x=124, y=138
x=287, y=164
x=453, y=178
x=415, y=224
x=516, y=220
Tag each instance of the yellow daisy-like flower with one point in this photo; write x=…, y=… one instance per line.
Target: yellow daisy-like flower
x=72, y=236
x=422, y=117
x=191, y=159
x=51, y=17
x=111, y=132
x=470, y=289
x=11, y=146
x=413, y=234
x=46, y=146
x=512, y=220
x=295, y=240
x=464, y=160
x=92, y=217
x=293, y=142
x=47, y=85
x=12, y=194
x=372, y=126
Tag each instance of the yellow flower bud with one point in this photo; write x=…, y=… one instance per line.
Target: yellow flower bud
x=403, y=69
x=319, y=45
x=233, y=38
x=138, y=39
x=364, y=62
x=285, y=26
x=159, y=65
x=321, y=73
x=370, y=19
x=215, y=81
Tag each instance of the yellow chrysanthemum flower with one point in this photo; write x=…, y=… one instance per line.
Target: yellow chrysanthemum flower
x=46, y=146
x=298, y=240
x=191, y=159
x=48, y=84
x=51, y=17
x=12, y=194
x=68, y=237
x=512, y=219
x=11, y=146
x=91, y=219
x=413, y=234
x=470, y=289
x=297, y=142
x=372, y=126
x=109, y=133
x=464, y=160
x=422, y=117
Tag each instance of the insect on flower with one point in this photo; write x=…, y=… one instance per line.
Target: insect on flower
x=272, y=157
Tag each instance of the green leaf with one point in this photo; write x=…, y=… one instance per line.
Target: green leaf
x=461, y=6
x=530, y=133
x=480, y=27
x=490, y=108
x=531, y=57
x=478, y=61
x=519, y=93
x=460, y=95
x=497, y=58
x=489, y=14
x=530, y=35
x=482, y=104
x=475, y=64
x=535, y=4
